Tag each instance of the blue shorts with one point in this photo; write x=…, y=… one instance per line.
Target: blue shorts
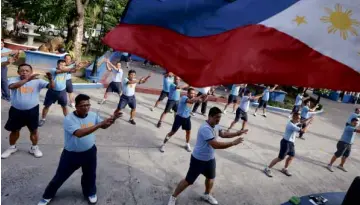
x=171, y=105
x=69, y=86
x=286, y=148
x=179, y=121
x=197, y=167
x=232, y=99
x=127, y=100
x=52, y=96
x=114, y=87
x=163, y=95
x=21, y=118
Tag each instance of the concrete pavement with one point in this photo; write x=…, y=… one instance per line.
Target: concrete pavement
x=132, y=171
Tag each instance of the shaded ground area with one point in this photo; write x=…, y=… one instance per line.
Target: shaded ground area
x=132, y=171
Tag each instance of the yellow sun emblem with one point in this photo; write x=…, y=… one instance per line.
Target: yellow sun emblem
x=341, y=20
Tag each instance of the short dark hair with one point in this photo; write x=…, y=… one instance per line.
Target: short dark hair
x=67, y=55
x=190, y=89
x=60, y=61
x=247, y=92
x=356, y=109
x=354, y=119
x=24, y=64
x=296, y=113
x=81, y=97
x=214, y=111
x=131, y=71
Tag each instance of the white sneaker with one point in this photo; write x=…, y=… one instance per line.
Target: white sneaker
x=172, y=200
x=35, y=151
x=224, y=111
x=330, y=168
x=162, y=148
x=192, y=114
x=93, y=199
x=210, y=199
x=268, y=172
x=187, y=147
x=8, y=152
x=254, y=114
x=44, y=201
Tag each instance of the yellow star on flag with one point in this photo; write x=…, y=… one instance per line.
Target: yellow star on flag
x=300, y=20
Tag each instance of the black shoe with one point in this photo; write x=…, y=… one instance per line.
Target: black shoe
x=132, y=122
x=158, y=125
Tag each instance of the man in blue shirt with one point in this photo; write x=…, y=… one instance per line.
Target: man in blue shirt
x=58, y=93
x=344, y=145
x=265, y=99
x=204, y=92
x=5, y=61
x=168, y=79
x=128, y=95
x=353, y=115
x=24, y=110
x=69, y=86
x=298, y=102
x=182, y=118
x=115, y=84
x=287, y=146
x=79, y=150
x=202, y=160
x=174, y=97
x=233, y=97
x=306, y=118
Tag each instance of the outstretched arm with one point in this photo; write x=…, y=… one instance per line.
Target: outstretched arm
x=257, y=96
x=144, y=79
x=224, y=134
x=272, y=89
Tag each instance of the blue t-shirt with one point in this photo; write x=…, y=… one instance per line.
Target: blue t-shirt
x=128, y=89
x=290, y=131
x=73, y=123
x=266, y=95
x=27, y=96
x=59, y=80
x=298, y=100
x=352, y=116
x=235, y=90
x=167, y=81
x=348, y=135
x=184, y=108
x=305, y=112
x=117, y=75
x=203, y=150
x=68, y=75
x=174, y=94
x=5, y=58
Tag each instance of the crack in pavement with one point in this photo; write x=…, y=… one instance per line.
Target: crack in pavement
x=130, y=178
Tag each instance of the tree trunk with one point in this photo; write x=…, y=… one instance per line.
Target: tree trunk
x=88, y=44
x=79, y=27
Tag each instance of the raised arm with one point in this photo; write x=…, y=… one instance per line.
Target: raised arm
x=9, y=61
x=195, y=99
x=144, y=79
x=51, y=80
x=314, y=108
x=272, y=89
x=225, y=134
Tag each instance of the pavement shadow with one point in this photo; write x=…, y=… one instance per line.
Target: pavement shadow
x=240, y=160
x=322, y=136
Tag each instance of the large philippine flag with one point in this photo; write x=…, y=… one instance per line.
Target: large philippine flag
x=310, y=43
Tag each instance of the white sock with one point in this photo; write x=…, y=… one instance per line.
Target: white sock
x=33, y=146
x=43, y=119
x=12, y=146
